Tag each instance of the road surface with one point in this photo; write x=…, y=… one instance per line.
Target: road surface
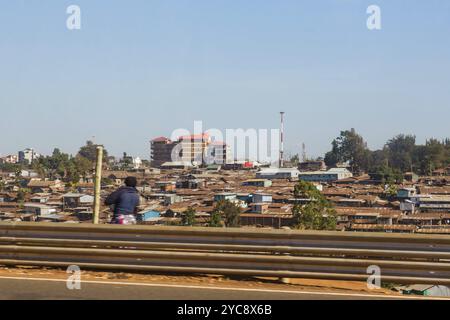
x=18, y=288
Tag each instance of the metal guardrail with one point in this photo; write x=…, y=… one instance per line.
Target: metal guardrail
x=403, y=258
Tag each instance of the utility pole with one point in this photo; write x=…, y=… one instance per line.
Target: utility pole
x=98, y=180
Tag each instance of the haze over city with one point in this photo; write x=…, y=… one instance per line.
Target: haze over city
x=139, y=70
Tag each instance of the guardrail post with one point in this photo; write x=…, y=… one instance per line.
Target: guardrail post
x=98, y=180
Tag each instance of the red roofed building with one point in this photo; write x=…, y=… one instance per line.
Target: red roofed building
x=196, y=149
x=196, y=137
x=161, y=139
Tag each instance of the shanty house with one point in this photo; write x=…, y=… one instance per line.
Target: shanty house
x=261, y=183
x=406, y=193
x=331, y=175
x=224, y=196
x=278, y=173
x=40, y=186
x=38, y=209
x=261, y=198
x=76, y=200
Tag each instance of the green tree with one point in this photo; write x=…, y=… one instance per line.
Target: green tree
x=399, y=155
x=333, y=157
x=40, y=168
x=53, y=165
x=378, y=159
x=188, y=218
x=72, y=175
x=126, y=162
x=317, y=214
x=400, y=150
x=229, y=212
x=436, y=155
x=83, y=165
x=21, y=196
x=431, y=156
x=64, y=166
x=215, y=220
x=295, y=160
x=391, y=190
x=387, y=175
x=146, y=163
x=11, y=167
x=89, y=151
x=351, y=147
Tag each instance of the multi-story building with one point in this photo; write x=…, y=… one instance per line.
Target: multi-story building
x=161, y=151
x=195, y=149
x=10, y=159
x=27, y=156
x=218, y=153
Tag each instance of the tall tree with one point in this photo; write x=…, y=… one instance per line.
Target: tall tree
x=317, y=214
x=229, y=212
x=215, y=220
x=126, y=162
x=89, y=151
x=378, y=159
x=351, y=147
x=437, y=154
x=188, y=218
x=83, y=165
x=400, y=150
x=64, y=166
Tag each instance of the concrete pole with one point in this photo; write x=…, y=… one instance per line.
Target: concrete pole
x=98, y=180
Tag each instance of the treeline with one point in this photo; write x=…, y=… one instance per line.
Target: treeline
x=62, y=165
x=225, y=214
x=399, y=155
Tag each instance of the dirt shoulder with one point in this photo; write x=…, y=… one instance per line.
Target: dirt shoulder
x=201, y=280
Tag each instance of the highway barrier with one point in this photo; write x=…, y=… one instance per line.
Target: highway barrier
x=402, y=258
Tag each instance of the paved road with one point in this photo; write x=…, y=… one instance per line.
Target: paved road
x=23, y=288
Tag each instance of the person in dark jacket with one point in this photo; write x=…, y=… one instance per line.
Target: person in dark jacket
x=125, y=201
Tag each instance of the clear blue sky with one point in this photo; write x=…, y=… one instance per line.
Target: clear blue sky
x=141, y=68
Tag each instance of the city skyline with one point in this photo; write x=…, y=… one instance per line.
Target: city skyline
x=135, y=72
